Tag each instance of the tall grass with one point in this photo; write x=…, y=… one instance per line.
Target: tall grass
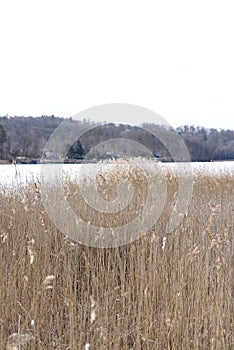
x=163, y=291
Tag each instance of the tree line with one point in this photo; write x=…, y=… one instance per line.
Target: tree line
x=27, y=137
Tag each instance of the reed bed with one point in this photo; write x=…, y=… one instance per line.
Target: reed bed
x=163, y=291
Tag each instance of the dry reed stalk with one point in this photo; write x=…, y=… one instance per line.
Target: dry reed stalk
x=160, y=292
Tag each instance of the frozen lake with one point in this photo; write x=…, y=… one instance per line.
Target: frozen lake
x=13, y=176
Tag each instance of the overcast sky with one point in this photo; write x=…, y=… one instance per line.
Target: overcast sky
x=174, y=57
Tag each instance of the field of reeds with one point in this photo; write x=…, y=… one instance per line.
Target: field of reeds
x=163, y=291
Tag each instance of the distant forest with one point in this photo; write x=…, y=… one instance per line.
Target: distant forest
x=27, y=137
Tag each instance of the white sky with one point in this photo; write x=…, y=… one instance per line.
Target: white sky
x=174, y=57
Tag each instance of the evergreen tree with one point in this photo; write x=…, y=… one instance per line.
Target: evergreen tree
x=76, y=151
x=3, y=139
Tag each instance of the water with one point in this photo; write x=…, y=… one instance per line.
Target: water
x=21, y=174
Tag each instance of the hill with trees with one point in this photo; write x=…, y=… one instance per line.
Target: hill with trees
x=27, y=137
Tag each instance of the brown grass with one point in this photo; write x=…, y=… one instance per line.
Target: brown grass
x=164, y=291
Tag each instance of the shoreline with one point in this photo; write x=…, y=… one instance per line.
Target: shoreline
x=37, y=161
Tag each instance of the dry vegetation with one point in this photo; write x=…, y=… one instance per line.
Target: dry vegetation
x=164, y=291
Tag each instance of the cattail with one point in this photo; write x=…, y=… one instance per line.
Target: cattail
x=31, y=251
x=3, y=236
x=164, y=243
x=219, y=263
x=93, y=315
